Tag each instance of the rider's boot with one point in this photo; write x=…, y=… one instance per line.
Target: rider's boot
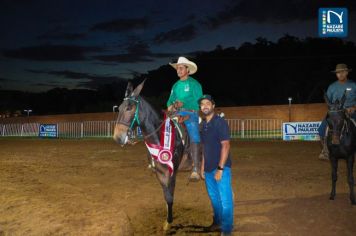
x=194, y=153
x=324, y=155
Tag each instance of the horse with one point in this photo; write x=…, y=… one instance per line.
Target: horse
x=341, y=142
x=136, y=111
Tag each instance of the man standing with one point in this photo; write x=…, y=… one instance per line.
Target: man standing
x=335, y=92
x=216, y=166
x=184, y=98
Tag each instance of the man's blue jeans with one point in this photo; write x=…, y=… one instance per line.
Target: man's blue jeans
x=221, y=197
x=324, y=124
x=192, y=125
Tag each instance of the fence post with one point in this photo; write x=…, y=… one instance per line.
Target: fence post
x=81, y=130
x=21, y=130
x=108, y=129
x=242, y=128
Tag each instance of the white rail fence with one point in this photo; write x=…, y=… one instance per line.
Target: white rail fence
x=255, y=128
x=239, y=129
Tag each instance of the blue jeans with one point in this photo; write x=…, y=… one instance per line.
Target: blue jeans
x=192, y=125
x=324, y=124
x=221, y=198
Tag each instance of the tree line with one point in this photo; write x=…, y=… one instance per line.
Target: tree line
x=256, y=73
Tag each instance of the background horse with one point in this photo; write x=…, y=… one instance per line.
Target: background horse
x=341, y=142
x=133, y=111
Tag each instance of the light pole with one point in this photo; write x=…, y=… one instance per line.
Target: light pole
x=289, y=108
x=113, y=108
x=28, y=112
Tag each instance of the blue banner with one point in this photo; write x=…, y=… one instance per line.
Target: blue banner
x=48, y=131
x=307, y=131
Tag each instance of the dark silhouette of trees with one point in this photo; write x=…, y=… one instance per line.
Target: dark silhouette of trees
x=258, y=73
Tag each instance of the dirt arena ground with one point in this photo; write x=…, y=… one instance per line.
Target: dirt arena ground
x=95, y=187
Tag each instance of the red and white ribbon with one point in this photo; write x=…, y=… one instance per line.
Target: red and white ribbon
x=164, y=152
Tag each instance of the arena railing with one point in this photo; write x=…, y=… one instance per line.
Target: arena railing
x=239, y=129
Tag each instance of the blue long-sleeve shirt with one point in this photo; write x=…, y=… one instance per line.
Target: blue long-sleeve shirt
x=336, y=91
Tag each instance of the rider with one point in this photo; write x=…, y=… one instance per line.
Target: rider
x=184, y=98
x=335, y=92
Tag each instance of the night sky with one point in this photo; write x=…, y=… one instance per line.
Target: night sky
x=85, y=43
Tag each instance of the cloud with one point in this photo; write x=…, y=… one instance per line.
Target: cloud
x=47, y=85
x=70, y=74
x=136, y=52
x=51, y=53
x=94, y=81
x=273, y=11
x=7, y=80
x=183, y=34
x=121, y=25
x=123, y=58
x=62, y=36
x=61, y=32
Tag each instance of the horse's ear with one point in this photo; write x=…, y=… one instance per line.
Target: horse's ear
x=342, y=100
x=138, y=89
x=128, y=89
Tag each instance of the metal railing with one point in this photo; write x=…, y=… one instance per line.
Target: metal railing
x=239, y=129
x=255, y=128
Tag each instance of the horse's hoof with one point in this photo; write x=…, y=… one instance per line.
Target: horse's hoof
x=353, y=202
x=194, y=177
x=166, y=226
x=332, y=198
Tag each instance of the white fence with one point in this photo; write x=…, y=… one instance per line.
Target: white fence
x=23, y=130
x=239, y=129
x=255, y=128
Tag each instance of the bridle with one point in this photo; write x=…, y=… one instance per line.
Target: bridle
x=345, y=123
x=135, y=120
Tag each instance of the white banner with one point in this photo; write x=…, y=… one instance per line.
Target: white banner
x=307, y=131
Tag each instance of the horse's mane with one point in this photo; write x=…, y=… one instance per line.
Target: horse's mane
x=151, y=113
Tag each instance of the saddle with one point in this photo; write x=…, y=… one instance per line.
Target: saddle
x=178, y=122
x=186, y=163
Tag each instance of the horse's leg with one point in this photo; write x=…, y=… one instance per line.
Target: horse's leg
x=168, y=192
x=334, y=164
x=350, y=177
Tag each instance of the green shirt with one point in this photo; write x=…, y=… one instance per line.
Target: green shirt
x=188, y=92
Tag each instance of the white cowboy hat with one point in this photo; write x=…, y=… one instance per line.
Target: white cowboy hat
x=184, y=61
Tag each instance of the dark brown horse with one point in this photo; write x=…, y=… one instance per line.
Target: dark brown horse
x=341, y=143
x=135, y=111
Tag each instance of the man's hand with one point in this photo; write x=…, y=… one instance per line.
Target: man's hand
x=218, y=175
x=202, y=164
x=170, y=108
x=202, y=174
x=177, y=104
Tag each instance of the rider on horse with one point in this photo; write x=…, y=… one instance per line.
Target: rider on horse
x=335, y=92
x=183, y=100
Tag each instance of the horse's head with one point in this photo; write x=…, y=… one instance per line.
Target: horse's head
x=128, y=117
x=336, y=118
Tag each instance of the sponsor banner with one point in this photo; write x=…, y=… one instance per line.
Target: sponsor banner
x=307, y=131
x=333, y=22
x=48, y=131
